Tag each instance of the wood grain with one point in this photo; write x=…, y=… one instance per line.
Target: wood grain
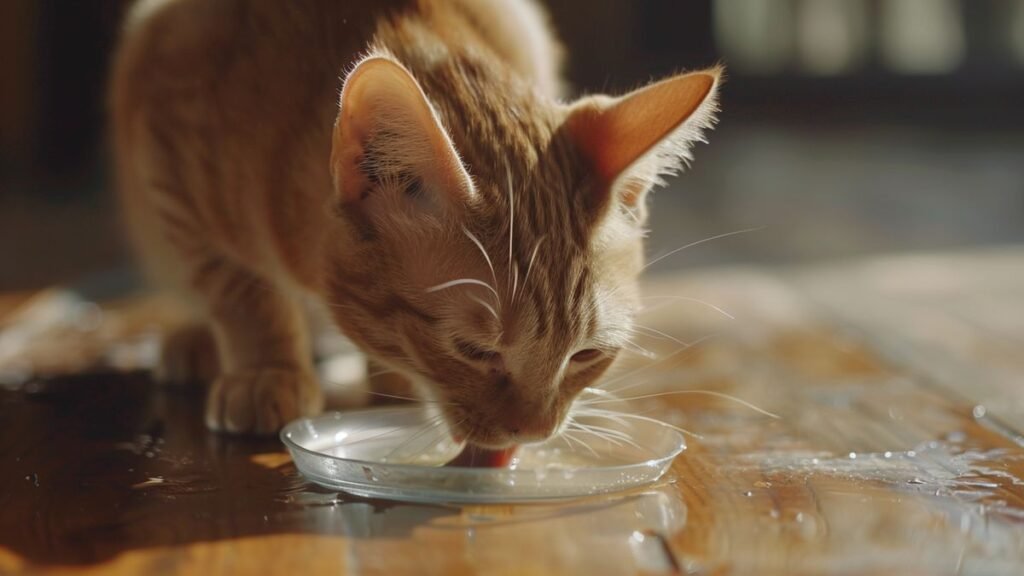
x=897, y=449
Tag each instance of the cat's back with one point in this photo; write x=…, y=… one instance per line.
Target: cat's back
x=222, y=110
x=202, y=46
x=221, y=114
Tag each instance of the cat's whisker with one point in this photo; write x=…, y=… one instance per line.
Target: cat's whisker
x=430, y=425
x=511, y=225
x=392, y=430
x=487, y=306
x=568, y=435
x=598, y=413
x=599, y=392
x=409, y=398
x=414, y=399
x=515, y=280
x=533, y=256
x=699, y=242
x=615, y=290
x=587, y=430
x=461, y=282
x=639, y=350
x=381, y=373
x=721, y=395
x=652, y=365
x=487, y=257
x=571, y=441
x=689, y=299
x=617, y=437
x=660, y=333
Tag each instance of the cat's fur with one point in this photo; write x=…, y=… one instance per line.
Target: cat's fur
x=449, y=157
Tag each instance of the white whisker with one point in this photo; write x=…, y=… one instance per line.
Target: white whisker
x=691, y=299
x=698, y=242
x=533, y=256
x=390, y=430
x=460, y=282
x=408, y=398
x=635, y=348
x=652, y=365
x=570, y=439
x=486, y=305
x=587, y=430
x=430, y=425
x=487, y=257
x=662, y=334
x=515, y=280
x=700, y=392
x=655, y=420
x=609, y=434
x=511, y=225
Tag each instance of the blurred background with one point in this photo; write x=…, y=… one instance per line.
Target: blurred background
x=849, y=127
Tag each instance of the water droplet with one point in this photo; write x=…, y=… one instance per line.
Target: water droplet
x=774, y=513
x=956, y=436
x=799, y=517
x=748, y=494
x=814, y=461
x=979, y=411
x=915, y=480
x=887, y=454
x=852, y=455
x=911, y=454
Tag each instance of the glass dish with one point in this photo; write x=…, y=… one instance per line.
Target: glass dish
x=399, y=453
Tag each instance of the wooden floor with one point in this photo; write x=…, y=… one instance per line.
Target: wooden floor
x=899, y=384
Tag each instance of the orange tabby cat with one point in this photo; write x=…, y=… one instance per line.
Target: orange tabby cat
x=463, y=225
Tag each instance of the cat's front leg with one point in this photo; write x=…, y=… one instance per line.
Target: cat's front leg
x=188, y=355
x=267, y=377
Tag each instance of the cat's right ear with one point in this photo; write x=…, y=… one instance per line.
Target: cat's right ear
x=388, y=139
x=632, y=141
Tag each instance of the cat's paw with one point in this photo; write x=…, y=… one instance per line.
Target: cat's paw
x=261, y=401
x=188, y=356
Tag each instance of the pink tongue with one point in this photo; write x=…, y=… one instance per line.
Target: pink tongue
x=475, y=457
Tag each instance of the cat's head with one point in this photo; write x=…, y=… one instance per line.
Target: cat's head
x=493, y=237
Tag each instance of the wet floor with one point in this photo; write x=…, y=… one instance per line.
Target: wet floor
x=99, y=465
x=898, y=449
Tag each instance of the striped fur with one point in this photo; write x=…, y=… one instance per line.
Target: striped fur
x=224, y=116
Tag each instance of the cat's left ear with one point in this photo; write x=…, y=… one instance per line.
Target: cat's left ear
x=631, y=142
x=388, y=139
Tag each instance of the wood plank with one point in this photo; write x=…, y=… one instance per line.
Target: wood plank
x=873, y=467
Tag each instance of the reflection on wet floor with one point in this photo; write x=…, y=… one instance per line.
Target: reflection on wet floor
x=878, y=462
x=109, y=463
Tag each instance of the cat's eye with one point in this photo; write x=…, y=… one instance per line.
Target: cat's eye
x=587, y=355
x=476, y=352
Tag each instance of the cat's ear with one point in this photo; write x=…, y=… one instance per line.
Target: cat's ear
x=388, y=138
x=631, y=142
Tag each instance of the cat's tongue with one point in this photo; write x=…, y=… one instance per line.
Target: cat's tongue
x=476, y=457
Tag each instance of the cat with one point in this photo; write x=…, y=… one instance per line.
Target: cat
x=412, y=166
